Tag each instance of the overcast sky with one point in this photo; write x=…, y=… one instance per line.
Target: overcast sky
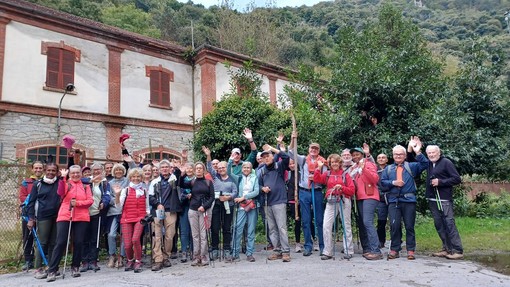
x=241, y=4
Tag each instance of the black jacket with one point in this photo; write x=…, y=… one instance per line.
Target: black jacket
x=47, y=199
x=448, y=177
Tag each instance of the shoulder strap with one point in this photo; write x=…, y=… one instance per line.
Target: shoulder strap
x=327, y=176
x=408, y=168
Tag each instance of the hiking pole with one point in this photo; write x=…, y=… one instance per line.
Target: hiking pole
x=356, y=219
x=39, y=247
x=234, y=221
x=22, y=250
x=443, y=217
x=71, y=208
x=346, y=244
x=334, y=231
x=314, y=213
x=265, y=222
x=207, y=238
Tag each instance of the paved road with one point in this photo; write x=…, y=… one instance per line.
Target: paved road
x=301, y=271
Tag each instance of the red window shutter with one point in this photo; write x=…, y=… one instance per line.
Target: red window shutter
x=52, y=67
x=67, y=68
x=59, y=68
x=154, y=87
x=165, y=89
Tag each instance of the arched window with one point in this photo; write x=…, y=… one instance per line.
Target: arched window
x=158, y=155
x=59, y=154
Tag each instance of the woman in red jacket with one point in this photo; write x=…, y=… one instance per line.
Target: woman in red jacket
x=74, y=214
x=339, y=186
x=134, y=202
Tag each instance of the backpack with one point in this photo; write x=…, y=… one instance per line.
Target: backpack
x=24, y=205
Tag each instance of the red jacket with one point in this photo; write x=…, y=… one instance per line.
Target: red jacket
x=26, y=188
x=331, y=178
x=134, y=208
x=366, y=182
x=69, y=190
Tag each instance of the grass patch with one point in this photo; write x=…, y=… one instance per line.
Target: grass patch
x=478, y=235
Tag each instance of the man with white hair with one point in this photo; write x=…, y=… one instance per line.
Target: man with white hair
x=442, y=176
x=398, y=180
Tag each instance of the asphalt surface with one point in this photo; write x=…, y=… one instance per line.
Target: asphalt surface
x=301, y=271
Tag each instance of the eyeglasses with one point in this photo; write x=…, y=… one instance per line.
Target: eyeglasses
x=399, y=154
x=222, y=167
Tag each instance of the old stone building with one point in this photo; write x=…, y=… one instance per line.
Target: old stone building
x=124, y=83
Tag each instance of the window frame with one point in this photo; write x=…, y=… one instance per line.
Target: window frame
x=60, y=65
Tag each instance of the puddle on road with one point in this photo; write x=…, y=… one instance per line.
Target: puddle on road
x=499, y=262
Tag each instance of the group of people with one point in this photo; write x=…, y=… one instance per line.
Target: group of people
x=214, y=206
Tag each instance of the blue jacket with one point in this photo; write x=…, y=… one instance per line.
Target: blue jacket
x=406, y=193
x=273, y=176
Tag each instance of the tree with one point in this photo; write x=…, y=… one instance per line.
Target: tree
x=221, y=129
x=130, y=18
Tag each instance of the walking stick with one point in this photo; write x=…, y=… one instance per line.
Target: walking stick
x=234, y=227
x=71, y=208
x=335, y=228
x=208, y=237
x=39, y=247
x=343, y=227
x=265, y=222
x=22, y=250
x=443, y=217
x=314, y=213
x=296, y=186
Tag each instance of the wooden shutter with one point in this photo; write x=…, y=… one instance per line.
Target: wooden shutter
x=59, y=68
x=52, y=67
x=154, y=87
x=160, y=88
x=165, y=89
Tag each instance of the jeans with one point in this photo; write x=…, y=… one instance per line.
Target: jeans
x=305, y=204
x=382, y=219
x=368, y=235
x=90, y=251
x=113, y=227
x=185, y=229
x=47, y=233
x=277, y=221
x=78, y=229
x=405, y=211
x=243, y=218
x=445, y=226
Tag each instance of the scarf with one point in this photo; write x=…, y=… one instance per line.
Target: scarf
x=49, y=181
x=138, y=188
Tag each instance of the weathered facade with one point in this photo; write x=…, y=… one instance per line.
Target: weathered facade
x=125, y=83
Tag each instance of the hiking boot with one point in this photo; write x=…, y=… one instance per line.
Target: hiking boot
x=184, y=257
x=156, y=266
x=28, y=265
x=51, y=277
x=250, y=258
x=275, y=256
x=204, y=261
x=410, y=255
x=120, y=262
x=84, y=267
x=40, y=274
x=298, y=248
x=269, y=247
x=455, y=256
x=138, y=266
x=196, y=261
x=111, y=261
x=215, y=255
x=393, y=254
x=228, y=256
x=442, y=253
x=374, y=256
x=286, y=257
x=93, y=266
x=326, y=257
x=75, y=272
x=315, y=246
x=307, y=253
x=129, y=265
x=167, y=263
x=174, y=255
